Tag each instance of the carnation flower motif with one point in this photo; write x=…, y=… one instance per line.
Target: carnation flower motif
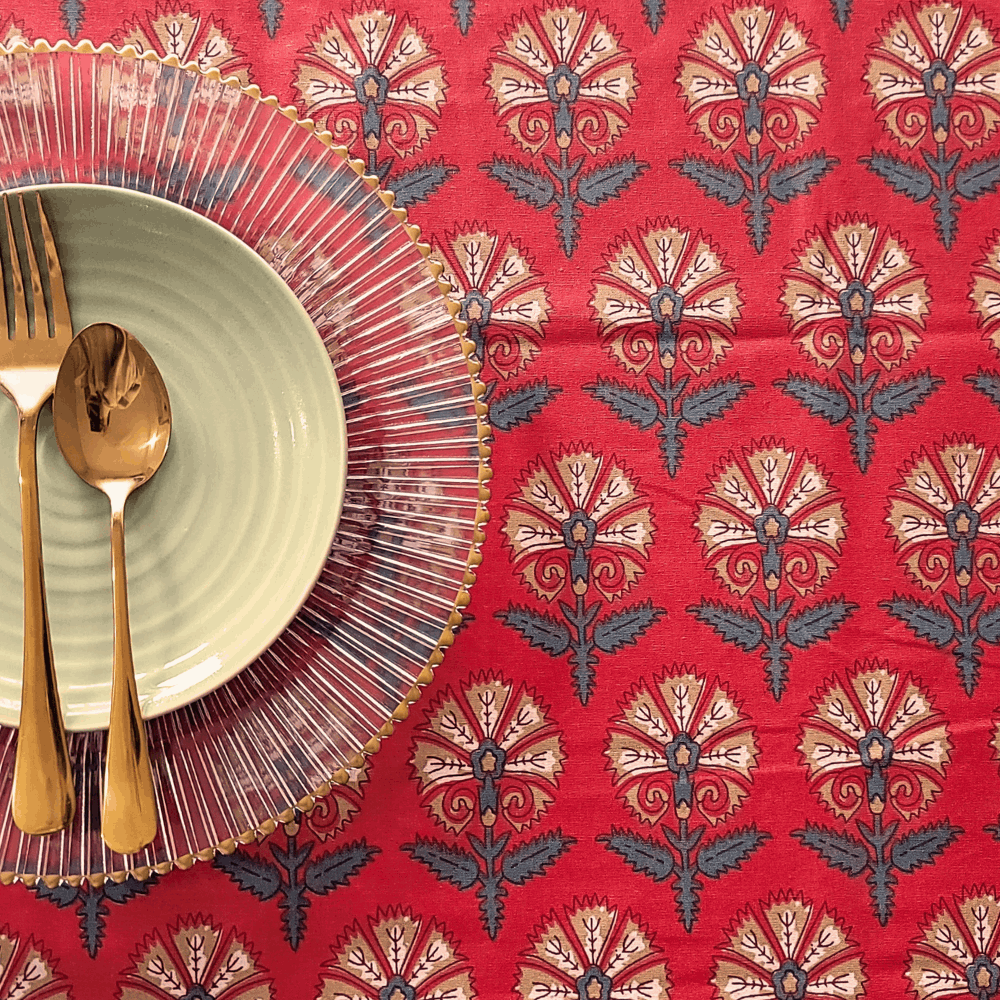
x=373, y=75
x=335, y=810
x=945, y=514
x=754, y=73
x=561, y=74
x=685, y=742
x=172, y=29
x=197, y=958
x=579, y=518
x=28, y=971
x=593, y=950
x=855, y=289
x=936, y=68
x=877, y=738
x=12, y=33
x=771, y=513
x=488, y=751
x=958, y=951
x=397, y=956
x=985, y=291
x=789, y=949
x=666, y=293
x=504, y=301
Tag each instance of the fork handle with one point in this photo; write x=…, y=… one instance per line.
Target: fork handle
x=43, y=800
x=128, y=822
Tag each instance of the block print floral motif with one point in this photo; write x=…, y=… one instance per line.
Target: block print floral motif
x=666, y=303
x=506, y=305
x=593, y=949
x=934, y=77
x=789, y=948
x=563, y=85
x=28, y=971
x=398, y=954
x=876, y=747
x=772, y=524
x=984, y=292
x=488, y=758
x=91, y=904
x=958, y=949
x=374, y=80
x=579, y=530
x=944, y=519
x=196, y=958
x=682, y=753
x=171, y=29
x=856, y=301
x=753, y=84
x=298, y=870
x=12, y=33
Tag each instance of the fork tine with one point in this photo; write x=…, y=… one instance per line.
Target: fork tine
x=20, y=309
x=62, y=324
x=40, y=315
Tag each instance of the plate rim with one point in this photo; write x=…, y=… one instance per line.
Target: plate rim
x=484, y=474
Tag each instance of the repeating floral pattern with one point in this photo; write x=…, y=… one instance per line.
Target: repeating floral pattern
x=944, y=520
x=933, y=77
x=683, y=751
x=753, y=86
x=579, y=529
x=28, y=971
x=875, y=740
x=857, y=303
x=563, y=86
x=489, y=756
x=666, y=302
x=772, y=523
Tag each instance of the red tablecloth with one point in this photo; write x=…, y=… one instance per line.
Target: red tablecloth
x=723, y=719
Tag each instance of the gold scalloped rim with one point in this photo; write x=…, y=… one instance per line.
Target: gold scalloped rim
x=473, y=560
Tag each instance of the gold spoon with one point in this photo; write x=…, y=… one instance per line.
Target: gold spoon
x=112, y=421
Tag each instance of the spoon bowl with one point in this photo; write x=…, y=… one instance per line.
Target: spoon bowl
x=111, y=414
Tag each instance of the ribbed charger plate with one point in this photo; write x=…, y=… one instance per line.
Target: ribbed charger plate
x=325, y=691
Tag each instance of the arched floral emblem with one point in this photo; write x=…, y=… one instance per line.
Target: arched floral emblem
x=789, y=948
x=398, y=954
x=934, y=76
x=560, y=80
x=753, y=82
x=771, y=520
x=876, y=739
x=856, y=300
x=173, y=29
x=944, y=518
x=682, y=750
x=488, y=753
x=666, y=300
x=197, y=957
x=374, y=80
x=579, y=528
x=957, y=953
x=593, y=949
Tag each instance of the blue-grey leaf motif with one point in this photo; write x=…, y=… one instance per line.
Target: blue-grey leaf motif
x=71, y=13
x=523, y=182
x=541, y=629
x=534, y=857
x=418, y=183
x=520, y=405
x=903, y=396
x=272, y=12
x=733, y=625
x=654, y=12
x=813, y=624
x=842, y=12
x=716, y=181
x=978, y=178
x=987, y=383
x=630, y=404
x=609, y=180
x=465, y=13
x=448, y=863
x=713, y=400
x=338, y=867
x=644, y=854
x=254, y=875
x=904, y=177
x=820, y=399
x=798, y=176
x=624, y=628
x=921, y=847
x=728, y=852
x=839, y=850
x=925, y=621
x=988, y=625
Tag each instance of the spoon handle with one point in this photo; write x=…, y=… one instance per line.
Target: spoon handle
x=43, y=799
x=128, y=822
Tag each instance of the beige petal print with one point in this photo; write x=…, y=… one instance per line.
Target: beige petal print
x=891, y=260
x=527, y=533
x=408, y=50
x=749, y=940
x=826, y=941
x=541, y=760
x=332, y=46
x=435, y=765
x=579, y=472
x=156, y=966
x=924, y=482
x=715, y=45
x=985, y=296
x=825, y=525
x=593, y=925
x=913, y=709
x=961, y=463
x=855, y=241
x=735, y=982
x=554, y=947
x=939, y=23
x=450, y=722
x=704, y=266
x=616, y=85
x=734, y=487
x=395, y=936
x=508, y=273
x=825, y=752
x=976, y=39
x=701, y=85
x=436, y=955
x=618, y=491
x=901, y=40
x=751, y=25
x=873, y=690
x=788, y=921
x=540, y=491
x=988, y=487
x=980, y=914
x=770, y=467
x=681, y=693
x=598, y=48
x=357, y=957
x=817, y=261
x=616, y=307
x=473, y=253
x=736, y=753
x=425, y=88
x=525, y=720
x=719, y=714
x=806, y=82
x=644, y=714
x=788, y=43
x=529, y=308
x=196, y=947
x=809, y=486
x=562, y=27
x=487, y=701
x=525, y=47
x=633, y=946
x=837, y=710
x=931, y=748
x=371, y=30
x=665, y=247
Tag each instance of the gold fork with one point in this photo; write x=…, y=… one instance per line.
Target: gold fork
x=43, y=799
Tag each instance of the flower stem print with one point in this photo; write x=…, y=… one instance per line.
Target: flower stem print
x=751, y=79
x=372, y=78
x=944, y=517
x=488, y=755
x=934, y=77
x=789, y=948
x=770, y=521
x=876, y=741
x=842, y=12
x=682, y=751
x=561, y=80
x=957, y=951
x=579, y=531
x=666, y=302
x=856, y=301
x=506, y=306
x=592, y=949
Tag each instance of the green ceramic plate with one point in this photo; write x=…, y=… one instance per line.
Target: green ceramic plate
x=228, y=538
